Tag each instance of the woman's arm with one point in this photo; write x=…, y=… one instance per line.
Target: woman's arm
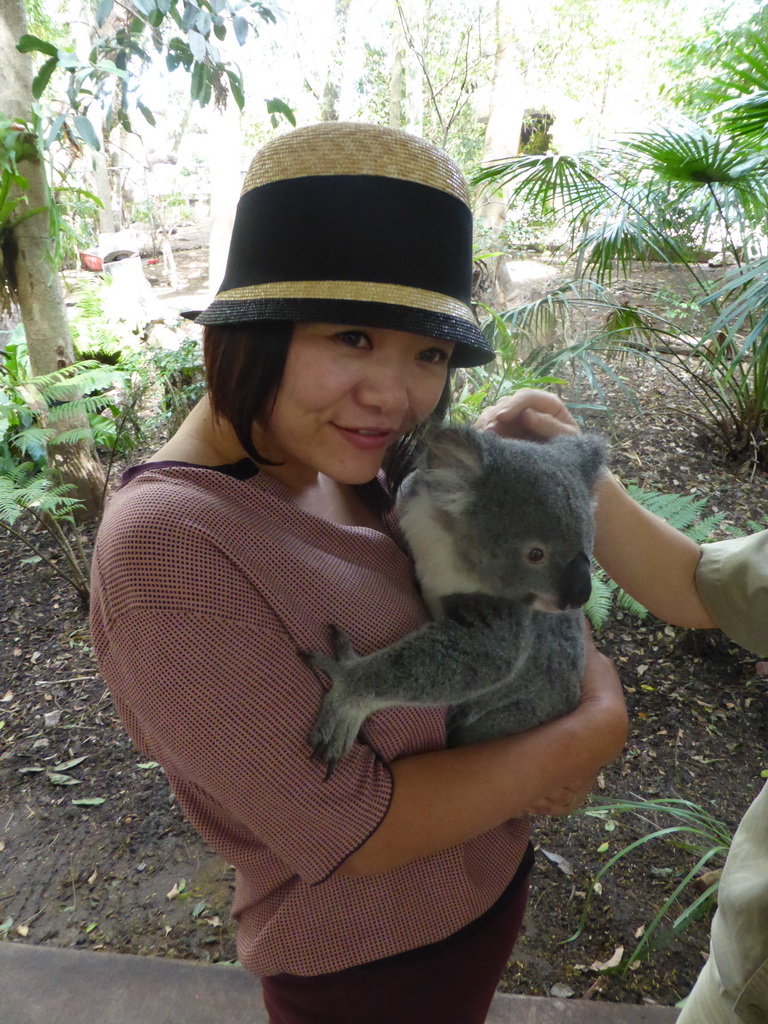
x=446, y=797
x=647, y=557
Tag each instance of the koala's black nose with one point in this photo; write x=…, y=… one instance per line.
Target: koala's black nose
x=576, y=584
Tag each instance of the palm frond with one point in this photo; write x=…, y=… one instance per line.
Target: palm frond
x=745, y=118
x=748, y=308
x=566, y=183
x=693, y=156
x=747, y=71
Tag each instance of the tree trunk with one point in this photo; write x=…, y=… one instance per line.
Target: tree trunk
x=407, y=19
x=505, y=116
x=49, y=341
x=103, y=189
x=329, y=110
x=396, y=72
x=225, y=147
x=85, y=32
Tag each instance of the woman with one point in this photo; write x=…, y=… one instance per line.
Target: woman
x=395, y=890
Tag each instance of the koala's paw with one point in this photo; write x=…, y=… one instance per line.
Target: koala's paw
x=336, y=729
x=338, y=722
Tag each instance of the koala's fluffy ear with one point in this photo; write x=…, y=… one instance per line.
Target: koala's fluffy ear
x=453, y=459
x=587, y=453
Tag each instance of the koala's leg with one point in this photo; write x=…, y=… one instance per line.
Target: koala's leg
x=480, y=642
x=546, y=686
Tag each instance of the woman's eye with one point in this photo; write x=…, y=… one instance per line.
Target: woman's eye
x=435, y=355
x=355, y=339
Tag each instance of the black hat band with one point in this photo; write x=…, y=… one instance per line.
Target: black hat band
x=351, y=228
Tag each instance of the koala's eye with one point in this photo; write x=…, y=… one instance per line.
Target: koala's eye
x=535, y=555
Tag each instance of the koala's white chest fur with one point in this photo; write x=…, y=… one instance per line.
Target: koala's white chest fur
x=434, y=553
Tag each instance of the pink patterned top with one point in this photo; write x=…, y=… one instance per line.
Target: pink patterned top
x=206, y=583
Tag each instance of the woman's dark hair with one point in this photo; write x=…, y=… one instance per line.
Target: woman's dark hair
x=244, y=365
x=400, y=458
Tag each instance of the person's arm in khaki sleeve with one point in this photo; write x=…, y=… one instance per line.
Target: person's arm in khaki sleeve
x=679, y=581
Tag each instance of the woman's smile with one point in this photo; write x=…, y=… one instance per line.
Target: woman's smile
x=368, y=438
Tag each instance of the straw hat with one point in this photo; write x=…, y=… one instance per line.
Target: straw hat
x=353, y=224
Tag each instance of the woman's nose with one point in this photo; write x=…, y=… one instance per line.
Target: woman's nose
x=386, y=387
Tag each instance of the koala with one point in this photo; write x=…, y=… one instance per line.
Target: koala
x=501, y=535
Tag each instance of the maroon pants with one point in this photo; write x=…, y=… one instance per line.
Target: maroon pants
x=451, y=982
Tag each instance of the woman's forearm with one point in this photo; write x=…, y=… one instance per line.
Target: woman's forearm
x=648, y=558
x=446, y=797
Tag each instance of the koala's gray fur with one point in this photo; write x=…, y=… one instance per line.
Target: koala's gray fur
x=501, y=534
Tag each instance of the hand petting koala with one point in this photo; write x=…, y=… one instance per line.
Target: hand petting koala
x=501, y=534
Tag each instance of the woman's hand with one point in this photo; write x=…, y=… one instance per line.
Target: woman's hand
x=528, y=414
x=602, y=720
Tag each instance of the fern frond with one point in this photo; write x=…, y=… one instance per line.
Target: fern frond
x=629, y=604
x=78, y=407
x=598, y=607
x=75, y=435
x=680, y=510
x=33, y=439
x=99, y=378
x=48, y=380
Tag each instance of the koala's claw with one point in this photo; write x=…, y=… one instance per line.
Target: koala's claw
x=334, y=733
x=342, y=646
x=319, y=753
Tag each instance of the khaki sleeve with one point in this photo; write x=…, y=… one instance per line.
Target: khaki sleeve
x=732, y=580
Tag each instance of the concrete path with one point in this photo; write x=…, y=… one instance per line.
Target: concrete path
x=46, y=985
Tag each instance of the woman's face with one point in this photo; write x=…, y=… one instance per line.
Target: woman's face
x=346, y=395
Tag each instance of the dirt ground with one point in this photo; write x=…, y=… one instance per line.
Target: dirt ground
x=123, y=872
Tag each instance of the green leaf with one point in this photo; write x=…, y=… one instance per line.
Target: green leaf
x=203, y=23
x=236, y=85
x=148, y=764
x=69, y=60
x=28, y=43
x=89, y=801
x=43, y=77
x=240, y=27
x=112, y=68
x=190, y=15
x=277, y=106
x=103, y=11
x=66, y=765
x=148, y=115
x=199, y=908
x=87, y=132
x=56, y=126
x=197, y=45
x=56, y=779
